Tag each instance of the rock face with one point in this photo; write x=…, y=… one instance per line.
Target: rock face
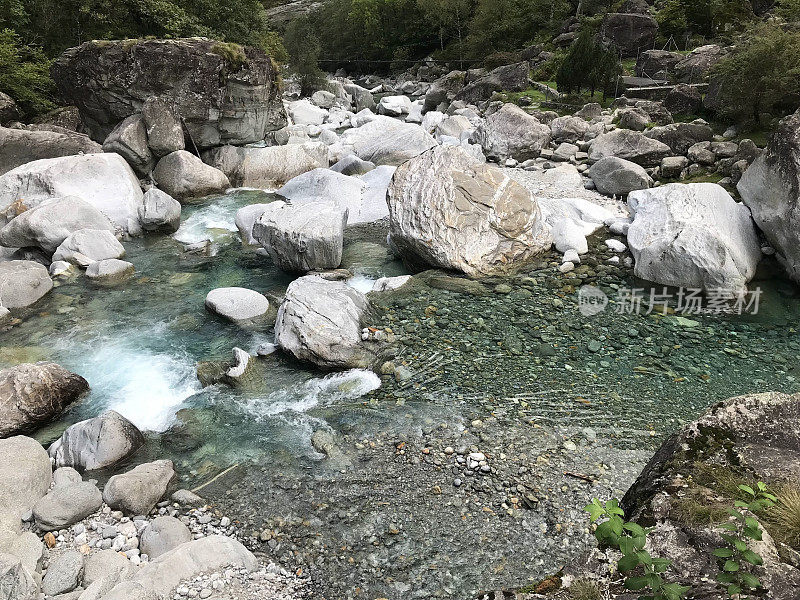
x=748, y=438
x=86, y=246
x=692, y=235
x=237, y=304
x=31, y=394
x=103, y=180
x=96, y=443
x=387, y=141
x=25, y=477
x=182, y=175
x=163, y=125
x=70, y=501
x=617, y=177
x=695, y=66
x=770, y=187
x=509, y=78
x=223, y=93
x=129, y=140
x=512, y=133
x=654, y=63
x=20, y=146
x=302, y=238
x=15, y=581
x=22, y=283
x=268, y=167
x=630, y=32
x=137, y=491
x=47, y=225
x=319, y=321
x=629, y=145
x=448, y=210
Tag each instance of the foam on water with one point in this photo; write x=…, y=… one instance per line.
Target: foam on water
x=362, y=283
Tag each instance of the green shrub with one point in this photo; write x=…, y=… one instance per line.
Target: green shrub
x=233, y=54
x=25, y=75
x=304, y=49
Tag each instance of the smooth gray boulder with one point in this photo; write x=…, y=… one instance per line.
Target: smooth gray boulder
x=16, y=582
x=694, y=236
x=160, y=212
x=21, y=146
x=106, y=564
x=22, y=283
x=387, y=141
x=87, y=246
x=308, y=237
x=512, y=133
x=268, y=167
x=362, y=97
x=508, y=78
x=188, y=560
x=71, y=500
x=443, y=90
x=129, y=140
x=629, y=145
x=681, y=136
x=630, y=32
x=237, y=304
x=302, y=112
x=568, y=129
x=48, y=224
x=319, y=321
x=32, y=394
x=131, y=590
x=163, y=124
x=618, y=177
x=162, y=535
x=246, y=218
x=109, y=271
x=104, y=180
x=352, y=165
x=770, y=187
x=449, y=210
x=137, y=491
x=394, y=106
x=96, y=443
x=182, y=175
x=64, y=573
x=25, y=476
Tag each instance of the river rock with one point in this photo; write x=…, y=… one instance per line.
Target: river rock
x=303, y=112
x=454, y=126
x=129, y=140
x=137, y=491
x=182, y=175
x=47, y=225
x=25, y=475
x=654, y=63
x=617, y=177
x=22, y=283
x=16, y=583
x=568, y=129
x=770, y=187
x=21, y=146
x=443, y=90
x=109, y=271
x=70, y=501
x=394, y=106
x=103, y=180
x=96, y=443
x=362, y=97
x=86, y=246
x=237, y=304
x=308, y=237
x=32, y=394
x=692, y=235
x=220, y=100
x=629, y=145
x=352, y=165
x=160, y=212
x=451, y=211
x=387, y=141
x=9, y=111
x=681, y=136
x=512, y=133
x=64, y=574
x=508, y=78
x=162, y=535
x=163, y=124
x=246, y=218
x=107, y=564
x=268, y=167
x=319, y=321
x=630, y=32
x=190, y=560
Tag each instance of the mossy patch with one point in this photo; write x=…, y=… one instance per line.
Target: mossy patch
x=232, y=54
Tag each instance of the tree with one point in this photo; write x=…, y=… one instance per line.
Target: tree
x=25, y=74
x=451, y=18
x=304, y=49
x=760, y=75
x=589, y=64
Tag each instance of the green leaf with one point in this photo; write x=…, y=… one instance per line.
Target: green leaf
x=752, y=523
x=616, y=525
x=675, y=591
x=636, y=583
x=595, y=512
x=762, y=486
x=626, y=545
x=753, y=534
x=729, y=527
x=644, y=557
x=735, y=514
x=628, y=563
x=750, y=580
x=734, y=589
x=748, y=489
x=725, y=578
x=639, y=542
x=731, y=566
x=635, y=529
x=740, y=545
x=752, y=558
x=723, y=553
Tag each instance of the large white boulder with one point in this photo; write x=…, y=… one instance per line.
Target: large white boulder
x=237, y=304
x=770, y=187
x=22, y=283
x=387, y=141
x=86, y=246
x=449, y=210
x=629, y=145
x=160, y=212
x=692, y=235
x=305, y=237
x=25, y=475
x=303, y=112
x=319, y=321
x=182, y=175
x=394, y=106
x=268, y=167
x=103, y=180
x=129, y=140
x=512, y=133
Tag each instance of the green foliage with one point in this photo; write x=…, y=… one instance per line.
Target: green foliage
x=304, y=50
x=25, y=74
x=584, y=589
x=589, y=64
x=707, y=18
x=788, y=10
x=737, y=558
x=232, y=53
x=784, y=518
x=644, y=573
x=760, y=75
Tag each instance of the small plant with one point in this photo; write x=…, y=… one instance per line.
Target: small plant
x=630, y=539
x=737, y=558
x=784, y=517
x=584, y=589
